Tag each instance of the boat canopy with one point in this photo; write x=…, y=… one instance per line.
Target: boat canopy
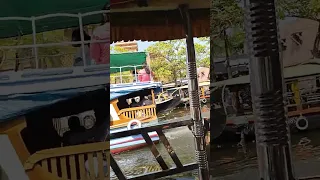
x=39, y=9
x=16, y=105
x=126, y=61
x=118, y=90
x=289, y=73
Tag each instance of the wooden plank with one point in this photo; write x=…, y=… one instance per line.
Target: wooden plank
x=100, y=165
x=83, y=173
x=63, y=164
x=64, y=151
x=73, y=170
x=53, y=162
x=91, y=166
x=44, y=164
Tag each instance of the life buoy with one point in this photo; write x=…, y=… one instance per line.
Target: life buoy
x=304, y=121
x=204, y=100
x=134, y=121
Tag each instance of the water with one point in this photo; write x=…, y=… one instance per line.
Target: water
x=230, y=162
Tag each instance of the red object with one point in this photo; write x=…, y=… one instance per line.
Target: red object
x=100, y=52
x=134, y=147
x=143, y=76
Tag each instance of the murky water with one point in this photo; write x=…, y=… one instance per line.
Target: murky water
x=230, y=162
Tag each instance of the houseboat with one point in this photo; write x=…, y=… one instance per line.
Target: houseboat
x=302, y=99
x=183, y=93
x=132, y=106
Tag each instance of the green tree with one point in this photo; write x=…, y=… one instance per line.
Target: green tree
x=224, y=14
x=168, y=58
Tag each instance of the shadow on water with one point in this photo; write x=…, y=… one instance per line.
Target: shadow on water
x=230, y=162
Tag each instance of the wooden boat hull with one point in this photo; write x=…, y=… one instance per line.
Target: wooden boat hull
x=168, y=105
x=130, y=143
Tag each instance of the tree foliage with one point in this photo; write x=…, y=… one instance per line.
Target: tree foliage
x=48, y=57
x=168, y=58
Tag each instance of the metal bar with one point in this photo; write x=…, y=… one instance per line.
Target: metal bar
x=53, y=15
x=116, y=169
x=198, y=128
x=169, y=172
x=51, y=44
x=165, y=125
x=169, y=149
x=154, y=151
x=34, y=38
x=120, y=75
x=84, y=59
x=135, y=73
x=266, y=77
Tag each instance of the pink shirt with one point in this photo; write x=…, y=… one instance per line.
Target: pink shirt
x=143, y=76
x=100, y=52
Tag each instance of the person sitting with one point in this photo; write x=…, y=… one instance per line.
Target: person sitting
x=134, y=103
x=147, y=101
x=100, y=52
x=75, y=128
x=78, y=58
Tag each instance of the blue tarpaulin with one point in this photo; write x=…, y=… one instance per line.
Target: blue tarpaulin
x=118, y=90
x=20, y=104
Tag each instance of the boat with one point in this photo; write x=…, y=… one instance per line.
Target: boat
x=124, y=68
x=37, y=102
x=302, y=100
x=183, y=93
x=125, y=116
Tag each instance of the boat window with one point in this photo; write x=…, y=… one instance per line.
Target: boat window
x=238, y=100
x=135, y=99
x=46, y=126
x=87, y=120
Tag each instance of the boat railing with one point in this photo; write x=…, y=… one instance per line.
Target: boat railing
x=166, y=170
x=305, y=98
x=33, y=59
x=127, y=78
x=138, y=113
x=87, y=161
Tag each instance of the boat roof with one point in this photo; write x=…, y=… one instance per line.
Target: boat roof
x=158, y=21
x=15, y=105
x=118, y=90
x=126, y=61
x=36, y=8
x=292, y=72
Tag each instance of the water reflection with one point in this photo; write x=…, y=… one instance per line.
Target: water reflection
x=230, y=161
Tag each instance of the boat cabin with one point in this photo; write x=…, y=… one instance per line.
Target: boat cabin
x=133, y=102
x=182, y=92
x=301, y=96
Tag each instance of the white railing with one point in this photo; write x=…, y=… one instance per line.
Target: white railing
x=35, y=46
x=135, y=75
